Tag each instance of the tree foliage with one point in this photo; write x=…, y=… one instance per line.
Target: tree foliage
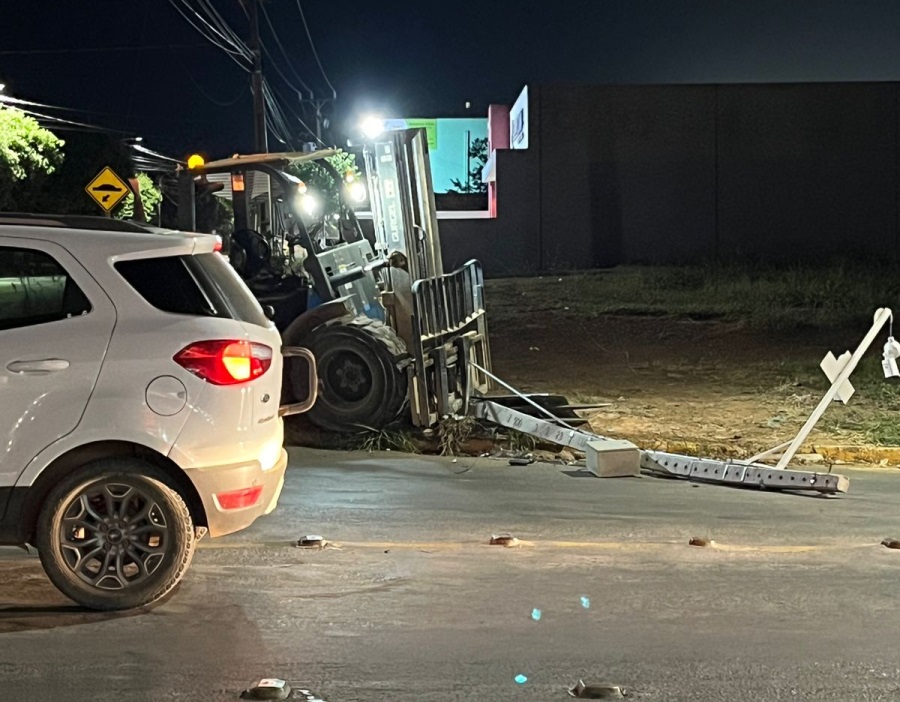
x=28, y=153
x=320, y=181
x=478, y=156
x=62, y=191
x=151, y=196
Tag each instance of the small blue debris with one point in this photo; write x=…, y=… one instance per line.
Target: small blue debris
x=536, y=615
x=521, y=679
x=586, y=602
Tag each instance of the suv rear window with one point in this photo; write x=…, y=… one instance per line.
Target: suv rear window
x=204, y=285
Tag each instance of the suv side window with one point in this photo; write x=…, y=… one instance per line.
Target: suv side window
x=35, y=289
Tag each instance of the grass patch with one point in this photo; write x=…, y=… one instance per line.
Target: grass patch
x=387, y=440
x=453, y=433
x=884, y=431
x=519, y=441
x=764, y=297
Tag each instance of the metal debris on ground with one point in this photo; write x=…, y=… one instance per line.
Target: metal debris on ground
x=586, y=602
x=699, y=541
x=268, y=689
x=741, y=474
x=312, y=541
x=309, y=696
x=753, y=473
x=521, y=461
x=507, y=540
x=601, y=691
x=891, y=543
x=536, y=614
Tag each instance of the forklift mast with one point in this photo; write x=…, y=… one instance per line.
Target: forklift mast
x=441, y=317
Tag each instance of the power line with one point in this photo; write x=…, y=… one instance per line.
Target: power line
x=58, y=122
x=223, y=26
x=219, y=28
x=283, y=131
x=313, y=46
x=287, y=80
x=235, y=56
x=285, y=54
x=99, y=50
x=202, y=90
x=149, y=160
x=311, y=132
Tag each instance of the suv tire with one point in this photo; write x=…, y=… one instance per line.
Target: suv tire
x=113, y=535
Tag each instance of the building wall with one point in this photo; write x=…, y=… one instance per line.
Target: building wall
x=509, y=244
x=672, y=174
x=807, y=170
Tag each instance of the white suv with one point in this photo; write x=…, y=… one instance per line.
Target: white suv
x=139, y=403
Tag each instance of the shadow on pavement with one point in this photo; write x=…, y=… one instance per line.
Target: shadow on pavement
x=29, y=602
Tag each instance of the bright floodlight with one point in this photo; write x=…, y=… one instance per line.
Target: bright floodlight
x=372, y=126
x=357, y=191
x=310, y=204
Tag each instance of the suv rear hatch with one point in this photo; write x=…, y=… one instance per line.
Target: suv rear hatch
x=204, y=290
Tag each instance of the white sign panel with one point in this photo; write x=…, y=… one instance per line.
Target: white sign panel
x=518, y=122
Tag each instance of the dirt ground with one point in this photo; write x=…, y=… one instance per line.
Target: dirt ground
x=729, y=388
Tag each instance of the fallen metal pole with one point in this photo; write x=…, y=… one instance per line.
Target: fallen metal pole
x=741, y=474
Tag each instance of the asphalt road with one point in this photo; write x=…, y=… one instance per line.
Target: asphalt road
x=798, y=599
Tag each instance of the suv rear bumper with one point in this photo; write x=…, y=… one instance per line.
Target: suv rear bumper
x=213, y=481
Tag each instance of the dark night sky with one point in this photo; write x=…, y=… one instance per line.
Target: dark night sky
x=423, y=58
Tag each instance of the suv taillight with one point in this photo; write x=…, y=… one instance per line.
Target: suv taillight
x=225, y=362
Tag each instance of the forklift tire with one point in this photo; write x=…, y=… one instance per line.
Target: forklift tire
x=362, y=375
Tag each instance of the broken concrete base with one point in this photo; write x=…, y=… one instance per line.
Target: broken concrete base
x=612, y=458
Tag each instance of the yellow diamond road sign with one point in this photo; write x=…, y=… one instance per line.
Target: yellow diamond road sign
x=107, y=189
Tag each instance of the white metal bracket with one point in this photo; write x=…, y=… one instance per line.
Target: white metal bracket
x=838, y=371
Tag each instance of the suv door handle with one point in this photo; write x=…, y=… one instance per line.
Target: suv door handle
x=49, y=365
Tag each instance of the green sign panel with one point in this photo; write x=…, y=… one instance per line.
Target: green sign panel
x=431, y=130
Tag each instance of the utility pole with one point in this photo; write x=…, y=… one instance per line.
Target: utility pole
x=256, y=81
x=322, y=122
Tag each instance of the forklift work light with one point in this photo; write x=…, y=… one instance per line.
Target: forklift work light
x=357, y=191
x=310, y=204
x=195, y=161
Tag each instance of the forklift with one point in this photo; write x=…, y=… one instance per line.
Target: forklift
x=390, y=332
x=394, y=338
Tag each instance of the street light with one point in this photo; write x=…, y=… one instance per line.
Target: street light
x=372, y=126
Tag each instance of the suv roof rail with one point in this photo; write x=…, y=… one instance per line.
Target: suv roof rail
x=73, y=222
